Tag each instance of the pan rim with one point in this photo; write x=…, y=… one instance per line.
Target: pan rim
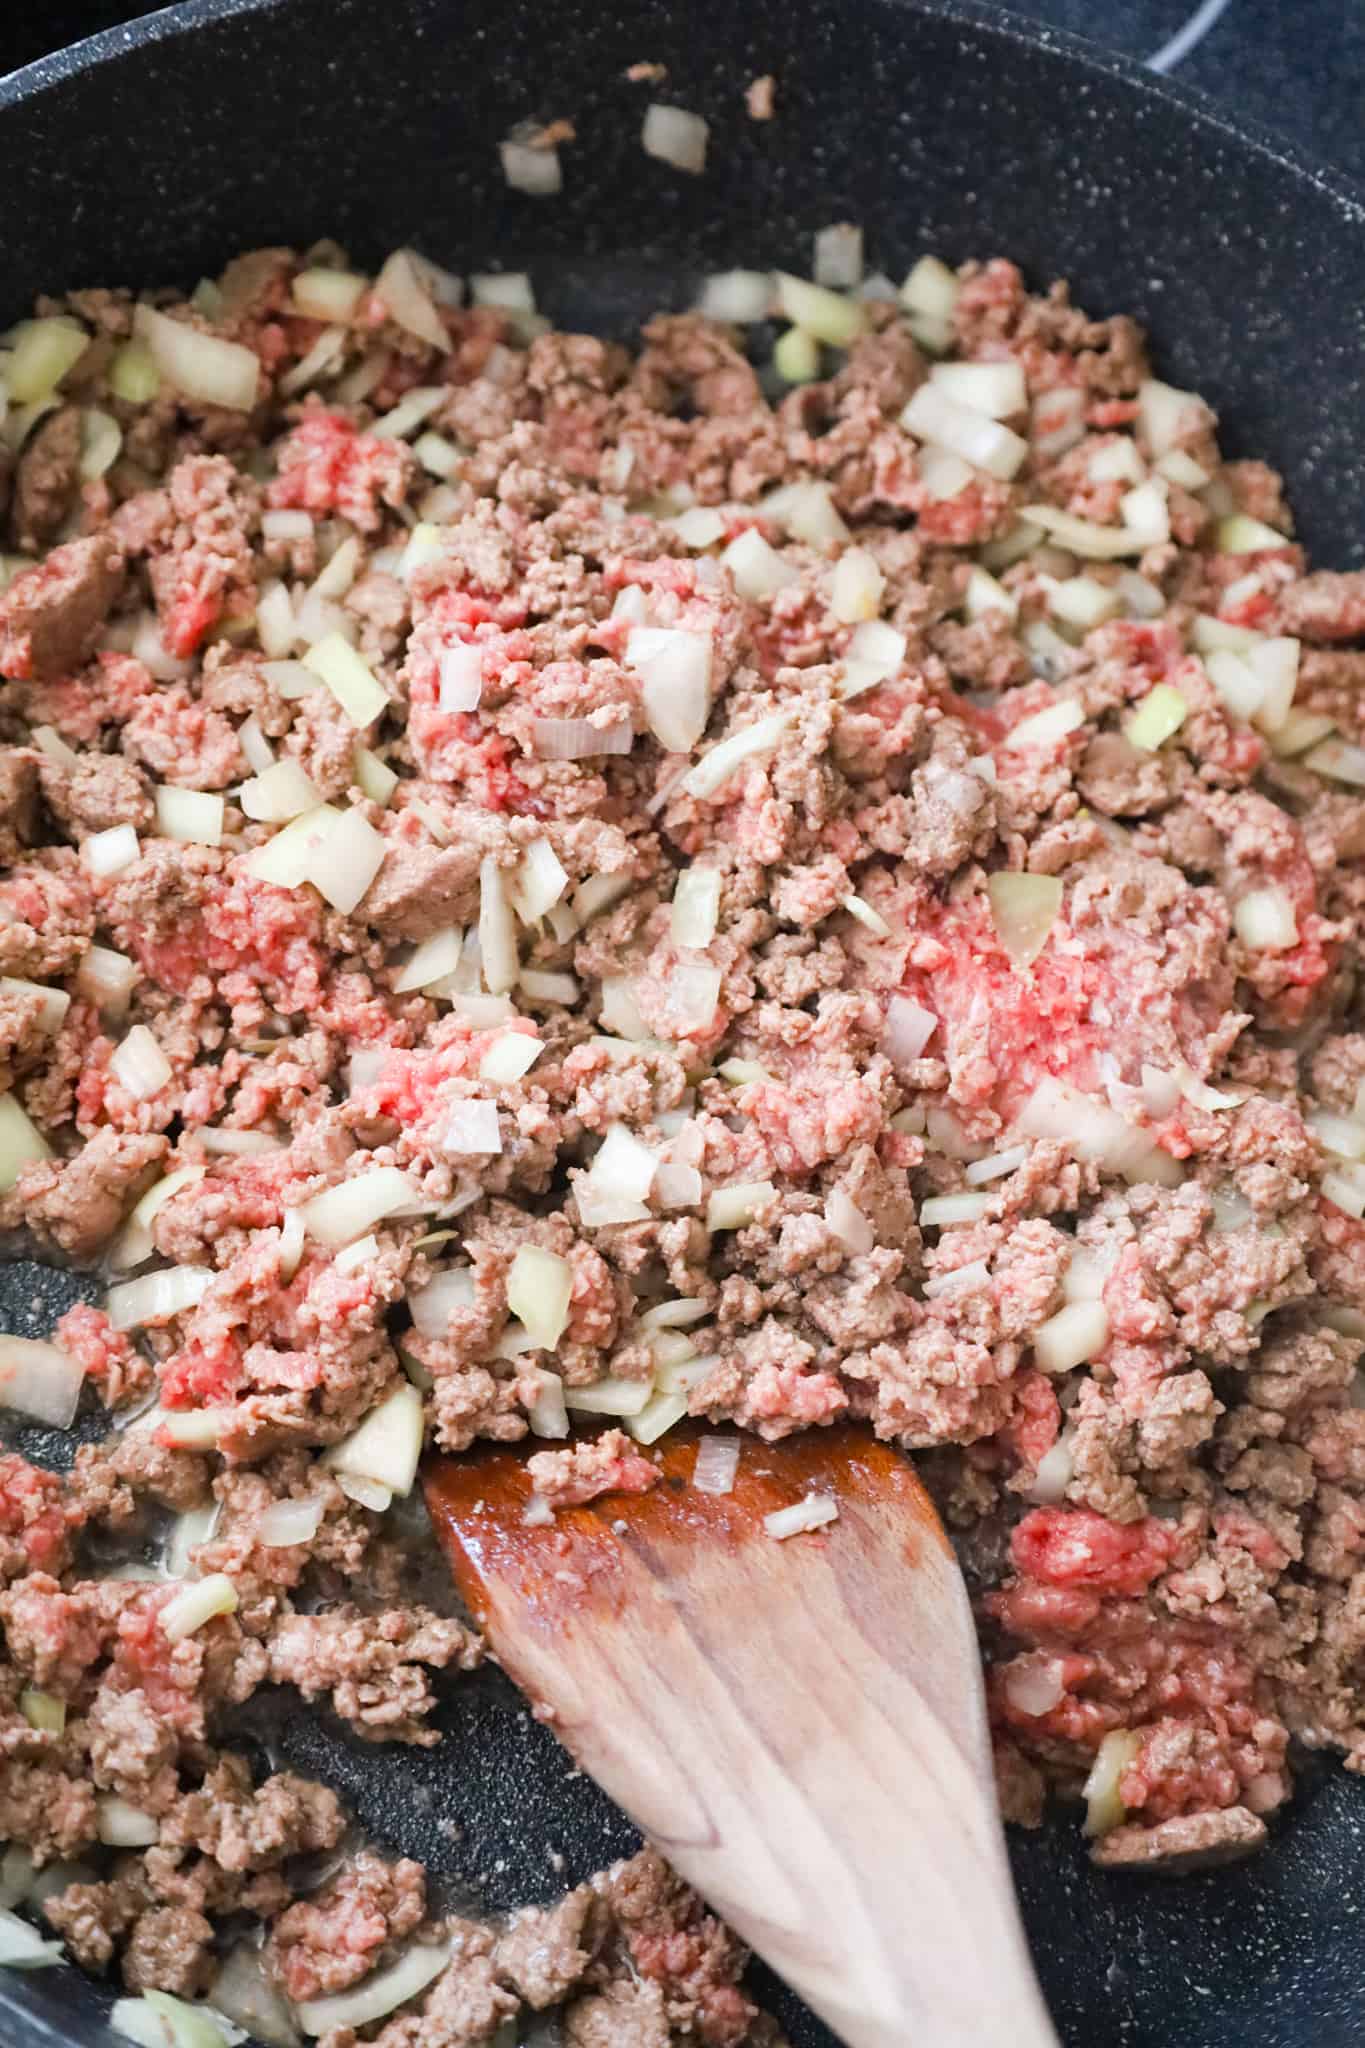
x=1001, y=26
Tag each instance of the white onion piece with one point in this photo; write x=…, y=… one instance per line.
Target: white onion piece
x=257, y=751
x=983, y=595
x=862, y=911
x=1161, y=713
x=696, y=908
x=368, y=1493
x=857, y=586
x=1145, y=512
x=286, y=1522
x=1241, y=535
x=1103, y=1800
x=679, y=1313
x=139, y=1065
x=700, y=526
x=737, y=296
x=733, y=1207
x=433, y=1306
x=49, y=741
x=461, y=677
x=1264, y=921
x=623, y=1168
x=1082, y=603
x=23, y=1948
x=717, y=1464
x=825, y=315
x=326, y=354
x=972, y=1278
x=1024, y=909
x=109, y=853
x=1054, y=1475
x=497, y=929
x=996, y=1165
x=658, y=1415
x=943, y=474
x=759, y=571
x=509, y=1057
x=193, y=1429
x=472, y=1132
x=387, y=1447
x=192, y=816
x=811, y=1513
x=21, y=1142
x=579, y=739
x=538, y=882
x=1116, y=461
x=246, y=1995
x=943, y=1211
x=106, y=979
x=1160, y=1091
x=973, y=436
x=1046, y=728
x=677, y=1186
x=619, y=1011
x=609, y=1396
x=101, y=442
x=349, y=678
x=345, y=859
x=203, y=1600
x=693, y=993
x=433, y=960
x=402, y=290
x=1339, y=759
x=839, y=256
x=351, y=1209
x=909, y=1027
x=675, y=137
x=1167, y=416
x=716, y=766
x=376, y=778
x=995, y=389
x=120, y=1825
x=135, y=1241
x=1072, y=1337
x=201, y=366
x=39, y=1380
x=539, y=1290
x=1034, y=1688
x=55, y=1001
x=1084, y=536
x=1057, y=421
x=547, y=1415
x=807, y=512
x=379, y=1995
x=848, y=1223
x=674, y=668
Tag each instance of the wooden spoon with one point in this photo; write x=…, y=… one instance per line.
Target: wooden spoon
x=799, y=1726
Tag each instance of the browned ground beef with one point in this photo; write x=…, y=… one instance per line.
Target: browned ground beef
x=1145, y=1120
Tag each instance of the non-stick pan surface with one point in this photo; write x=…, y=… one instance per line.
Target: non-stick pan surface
x=157, y=151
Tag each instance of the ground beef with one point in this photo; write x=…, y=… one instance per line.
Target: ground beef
x=557, y=919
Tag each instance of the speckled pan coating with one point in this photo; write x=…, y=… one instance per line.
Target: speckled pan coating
x=158, y=150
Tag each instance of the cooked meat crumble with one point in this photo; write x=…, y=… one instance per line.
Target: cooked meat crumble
x=546, y=884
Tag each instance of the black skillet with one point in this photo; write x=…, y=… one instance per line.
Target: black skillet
x=157, y=151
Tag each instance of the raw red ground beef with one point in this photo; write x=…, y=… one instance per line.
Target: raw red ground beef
x=596, y=831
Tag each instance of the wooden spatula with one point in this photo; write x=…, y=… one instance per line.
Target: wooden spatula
x=799, y=1726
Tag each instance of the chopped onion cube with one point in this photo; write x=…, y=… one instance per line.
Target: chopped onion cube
x=996, y=389
x=700, y=526
x=101, y=441
x=807, y=512
x=693, y=993
x=368, y=1493
x=969, y=1279
x=286, y=859
x=39, y=1380
x=1048, y=727
x=733, y=1207
x=677, y=1187
x=44, y=1711
x=942, y=474
x=192, y=816
x=538, y=882
x=1083, y=536
x=1339, y=759
x=41, y=352
x=358, y=1254
x=1344, y=1192
x=339, y=1215
x=548, y=1416
x=984, y=595
x=759, y=571
x=55, y=1001
x=1104, y=1807
x=345, y=859
x=623, y=1167
x=675, y=137
x=472, y=1132
x=1208, y=634
x=996, y=1165
x=510, y=289
x=696, y=908
x=1072, y=1337
x=200, y=1602
x=539, y=1290
x=942, y=1211
x=796, y=357
x=122, y=1826
x=349, y=678
x=1166, y=416
x=864, y=914
x=21, y=1142
x=1179, y=468
x=679, y=1313
x=378, y=1995
x=461, y=674
x=716, y=767
x=327, y=295
x=1083, y=603
x=811, y=1513
x=433, y=1306
x=1145, y=511
x=659, y=1415
x=848, y=1223
x=857, y=587
x=619, y=1012
x=1275, y=662
x=139, y=1064
x=929, y=295
x=826, y=315
x=157, y=1297
x=909, y=1027
x=1024, y=909
x=717, y=1464
x=1057, y=421
x=579, y=739
x=435, y=959
x=202, y=366
x=286, y=1522
x=610, y=1395
x=135, y=1243
x=401, y=289
x=737, y=296
x=497, y=929
x=388, y=1444
x=23, y=1948
x=674, y=668
x=1162, y=712
x=541, y=987
x=376, y=778
x=109, y=853
x=1241, y=535
x=106, y=979
x=973, y=436
x=509, y=1057
x=1264, y=920
x=839, y=256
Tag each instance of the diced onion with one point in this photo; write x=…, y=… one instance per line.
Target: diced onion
x=733, y=1207
x=610, y=1395
x=510, y=289
x=675, y=137
x=192, y=816
x=379, y=1995
x=807, y=512
x=243, y=1991
x=679, y=1313
x=1339, y=759
x=875, y=652
x=23, y=1948
x=693, y=993
x=759, y=571
x=203, y=1600
x=659, y=1415
x=1179, y=468
x=623, y=1168
x=367, y=1492
x=135, y=1243
x=433, y=1306
x=848, y=1223
x=1162, y=712
x=1264, y=921
x=995, y=389
x=740, y=297
x=539, y=1290
x=700, y=526
x=942, y=1211
x=434, y=960
x=1054, y=1475
x=376, y=778
x=1104, y=1807
x=983, y=595
x=509, y=1057
x=286, y=1522
x=972, y=1278
x=349, y=678
x=329, y=295
x=402, y=291
x=1093, y=1131
x=101, y=441
x=716, y=766
x=1082, y=603
x=280, y=792
x=55, y=1001
x=863, y=912
x=677, y=1187
x=1034, y=1688
x=461, y=676
x=1057, y=421
x=973, y=436
x=44, y=1711
x=538, y=882
x=857, y=587
x=122, y=1826
x=1084, y=536
x=1241, y=535
x=717, y=1464
x=276, y=629
x=796, y=358
x=929, y=295
x=825, y=315
x=839, y=256
x=674, y=668
x=256, y=748
x=109, y=853
x=1167, y=416
x=39, y=1380
x=579, y=739
x=996, y=1165
x=139, y=1065
x=619, y=1012
x=547, y=1415
x=194, y=1429
x=811, y=1513
x=497, y=929
x=21, y=1142
x=1048, y=727
x=41, y=352
x=1076, y=1334
x=387, y=1447
x=472, y=1132
x=909, y=1027
x=696, y=907
x=341, y=1214
x=345, y=860
x=1024, y=909
x=202, y=366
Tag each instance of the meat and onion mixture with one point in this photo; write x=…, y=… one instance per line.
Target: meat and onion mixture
x=795, y=873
